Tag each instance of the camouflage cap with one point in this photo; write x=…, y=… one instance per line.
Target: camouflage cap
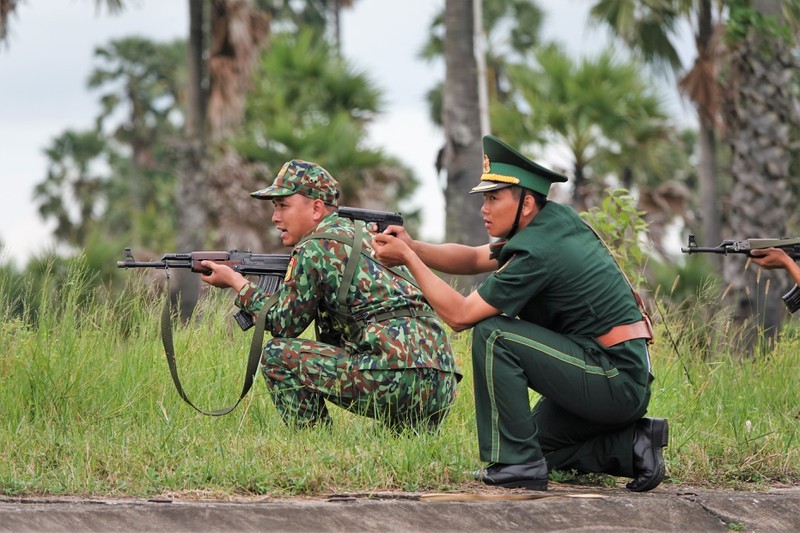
x=503, y=166
x=302, y=177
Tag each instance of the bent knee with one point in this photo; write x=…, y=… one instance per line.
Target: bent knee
x=483, y=329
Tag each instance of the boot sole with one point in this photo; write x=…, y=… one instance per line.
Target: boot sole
x=652, y=483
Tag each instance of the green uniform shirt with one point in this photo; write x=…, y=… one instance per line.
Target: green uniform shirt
x=310, y=294
x=556, y=273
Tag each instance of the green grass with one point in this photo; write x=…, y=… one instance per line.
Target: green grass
x=87, y=407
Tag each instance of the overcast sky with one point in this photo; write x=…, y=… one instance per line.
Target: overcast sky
x=44, y=68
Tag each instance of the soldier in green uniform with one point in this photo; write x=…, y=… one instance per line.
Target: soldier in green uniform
x=380, y=350
x=555, y=315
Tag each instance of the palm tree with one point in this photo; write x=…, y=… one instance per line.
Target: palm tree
x=325, y=120
x=236, y=26
x=142, y=82
x=124, y=179
x=463, y=126
x=762, y=119
x=139, y=77
x=73, y=194
x=238, y=34
x=7, y=8
x=337, y=7
x=512, y=30
x=213, y=109
x=602, y=110
x=192, y=206
x=650, y=29
x=474, y=80
x=318, y=14
x=759, y=112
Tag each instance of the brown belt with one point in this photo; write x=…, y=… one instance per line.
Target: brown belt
x=626, y=332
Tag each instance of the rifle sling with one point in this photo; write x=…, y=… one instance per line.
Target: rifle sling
x=360, y=249
x=252, y=361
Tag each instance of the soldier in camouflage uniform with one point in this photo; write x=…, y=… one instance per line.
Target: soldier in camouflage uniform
x=380, y=350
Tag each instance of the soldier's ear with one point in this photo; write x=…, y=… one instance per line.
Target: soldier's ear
x=528, y=204
x=319, y=210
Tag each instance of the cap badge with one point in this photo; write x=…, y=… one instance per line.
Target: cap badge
x=487, y=167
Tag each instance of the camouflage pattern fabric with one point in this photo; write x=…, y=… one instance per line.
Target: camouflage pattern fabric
x=358, y=360
x=302, y=374
x=301, y=177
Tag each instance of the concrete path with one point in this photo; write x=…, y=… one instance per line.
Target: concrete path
x=563, y=508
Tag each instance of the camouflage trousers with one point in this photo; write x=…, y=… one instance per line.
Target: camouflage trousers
x=303, y=374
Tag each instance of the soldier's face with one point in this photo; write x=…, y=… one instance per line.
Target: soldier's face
x=499, y=210
x=293, y=217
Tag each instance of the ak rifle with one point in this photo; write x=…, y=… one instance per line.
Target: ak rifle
x=789, y=245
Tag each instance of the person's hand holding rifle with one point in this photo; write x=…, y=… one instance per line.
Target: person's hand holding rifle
x=222, y=276
x=791, y=246
x=769, y=254
x=771, y=258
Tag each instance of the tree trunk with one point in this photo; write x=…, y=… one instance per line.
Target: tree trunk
x=192, y=201
x=580, y=187
x=238, y=32
x=479, y=50
x=761, y=115
x=707, y=103
x=710, y=201
x=463, y=150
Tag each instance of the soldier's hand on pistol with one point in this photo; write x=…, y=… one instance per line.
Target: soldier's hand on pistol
x=399, y=232
x=390, y=250
x=770, y=258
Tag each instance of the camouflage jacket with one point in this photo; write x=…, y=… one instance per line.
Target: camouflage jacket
x=364, y=325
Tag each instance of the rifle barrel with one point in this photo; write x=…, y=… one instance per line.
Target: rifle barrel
x=142, y=264
x=704, y=249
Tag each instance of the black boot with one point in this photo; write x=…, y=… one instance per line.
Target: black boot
x=531, y=476
x=650, y=435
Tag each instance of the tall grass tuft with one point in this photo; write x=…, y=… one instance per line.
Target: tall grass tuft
x=87, y=407
x=734, y=421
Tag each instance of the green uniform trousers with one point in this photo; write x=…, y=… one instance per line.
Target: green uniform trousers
x=303, y=374
x=584, y=419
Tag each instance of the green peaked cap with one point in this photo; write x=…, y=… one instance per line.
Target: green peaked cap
x=503, y=167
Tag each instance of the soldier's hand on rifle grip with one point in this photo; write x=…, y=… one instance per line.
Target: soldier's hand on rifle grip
x=222, y=276
x=770, y=258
